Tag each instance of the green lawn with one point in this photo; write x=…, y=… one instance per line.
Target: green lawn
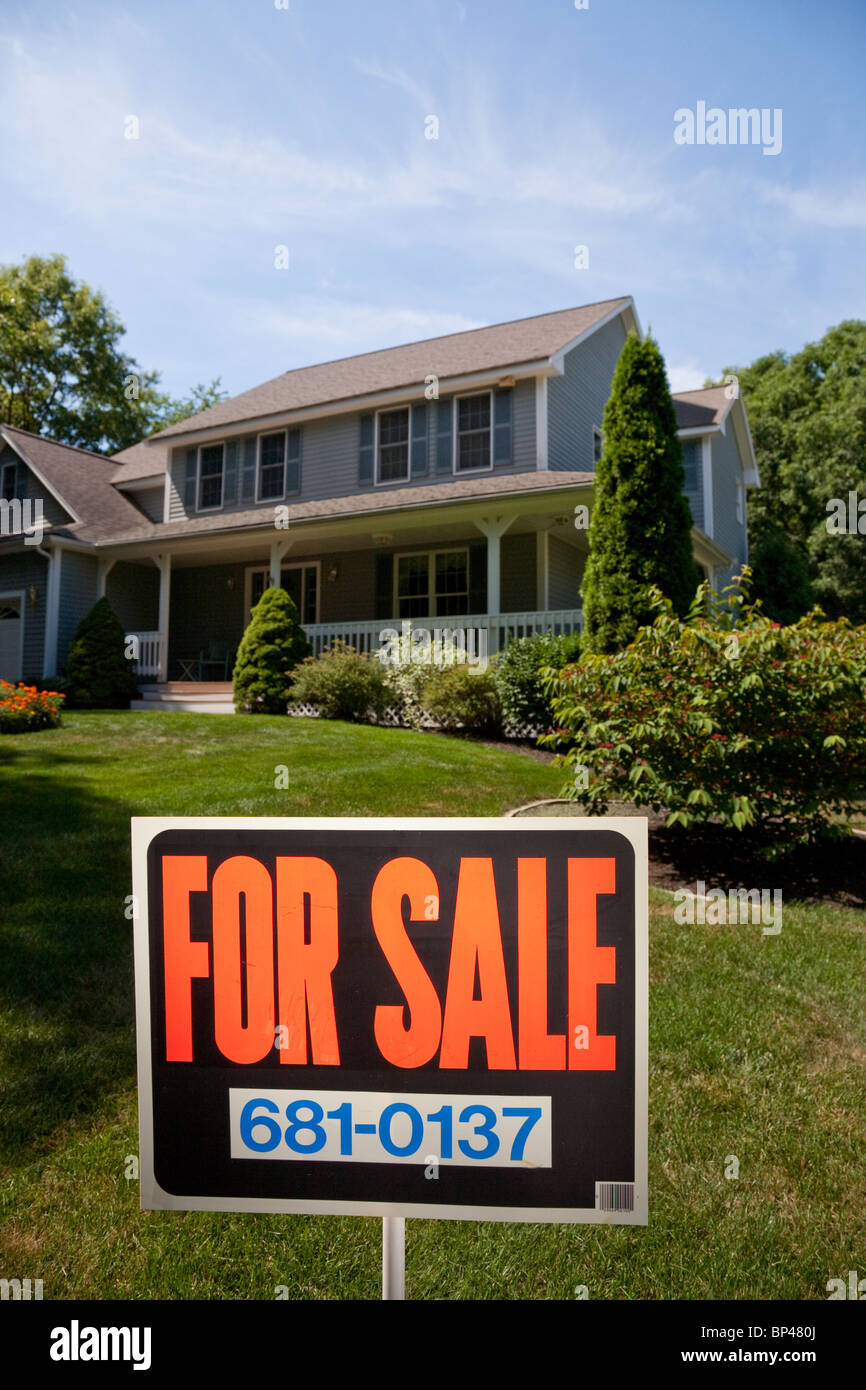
x=757, y=1047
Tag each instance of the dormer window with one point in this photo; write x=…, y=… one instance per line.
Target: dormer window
x=474, y=447
x=210, y=476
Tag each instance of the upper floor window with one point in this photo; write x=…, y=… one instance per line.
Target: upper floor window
x=474, y=434
x=272, y=465
x=210, y=476
x=392, y=451
x=13, y=481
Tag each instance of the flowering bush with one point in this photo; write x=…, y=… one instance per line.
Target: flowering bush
x=24, y=709
x=410, y=664
x=722, y=715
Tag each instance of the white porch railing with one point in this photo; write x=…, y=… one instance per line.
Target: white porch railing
x=366, y=636
x=501, y=628
x=149, y=660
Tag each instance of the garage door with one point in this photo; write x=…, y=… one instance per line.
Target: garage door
x=10, y=637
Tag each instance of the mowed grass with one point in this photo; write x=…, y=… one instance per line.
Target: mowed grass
x=757, y=1047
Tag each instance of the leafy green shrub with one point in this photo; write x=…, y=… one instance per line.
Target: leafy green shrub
x=98, y=673
x=460, y=697
x=520, y=683
x=722, y=715
x=271, y=647
x=343, y=683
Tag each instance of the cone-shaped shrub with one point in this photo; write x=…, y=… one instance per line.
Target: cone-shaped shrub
x=639, y=534
x=99, y=675
x=273, y=644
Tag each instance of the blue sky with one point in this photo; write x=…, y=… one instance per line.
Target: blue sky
x=305, y=127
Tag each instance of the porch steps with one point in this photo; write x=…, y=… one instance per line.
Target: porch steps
x=197, y=697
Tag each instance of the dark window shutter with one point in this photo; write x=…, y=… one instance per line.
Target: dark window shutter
x=248, y=476
x=230, y=473
x=384, y=586
x=419, y=440
x=502, y=448
x=478, y=577
x=443, y=435
x=293, y=461
x=189, y=482
x=21, y=481
x=365, y=452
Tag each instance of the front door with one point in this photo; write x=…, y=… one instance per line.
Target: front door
x=301, y=583
x=11, y=627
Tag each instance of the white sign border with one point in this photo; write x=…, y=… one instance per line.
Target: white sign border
x=154, y=1198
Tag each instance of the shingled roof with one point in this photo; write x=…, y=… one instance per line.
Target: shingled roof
x=83, y=484
x=140, y=460
x=707, y=407
x=498, y=347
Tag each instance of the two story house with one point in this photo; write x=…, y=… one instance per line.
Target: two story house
x=441, y=482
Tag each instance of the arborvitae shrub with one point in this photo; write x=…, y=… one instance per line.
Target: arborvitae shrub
x=640, y=530
x=270, y=649
x=99, y=675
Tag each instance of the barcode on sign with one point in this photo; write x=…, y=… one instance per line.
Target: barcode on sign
x=614, y=1196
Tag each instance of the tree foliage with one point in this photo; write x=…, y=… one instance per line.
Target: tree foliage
x=640, y=531
x=63, y=372
x=807, y=415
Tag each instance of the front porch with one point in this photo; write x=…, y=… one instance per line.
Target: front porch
x=367, y=636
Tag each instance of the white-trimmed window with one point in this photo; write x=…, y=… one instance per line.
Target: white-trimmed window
x=392, y=445
x=433, y=584
x=473, y=432
x=597, y=444
x=272, y=465
x=211, y=458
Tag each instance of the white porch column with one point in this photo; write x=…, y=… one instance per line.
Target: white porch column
x=494, y=528
x=163, y=564
x=52, y=611
x=103, y=570
x=542, y=571
x=279, y=550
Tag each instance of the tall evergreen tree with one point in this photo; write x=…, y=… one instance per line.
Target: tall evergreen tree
x=639, y=533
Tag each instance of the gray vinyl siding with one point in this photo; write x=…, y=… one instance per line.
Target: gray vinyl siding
x=351, y=597
x=693, y=462
x=517, y=573
x=576, y=400
x=150, y=501
x=133, y=592
x=19, y=571
x=329, y=458
x=77, y=597
x=728, y=532
x=565, y=571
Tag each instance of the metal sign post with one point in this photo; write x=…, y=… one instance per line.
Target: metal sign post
x=393, y=1257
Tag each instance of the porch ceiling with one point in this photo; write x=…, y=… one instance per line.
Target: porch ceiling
x=551, y=509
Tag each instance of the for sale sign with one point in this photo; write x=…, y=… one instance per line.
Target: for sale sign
x=441, y=1018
